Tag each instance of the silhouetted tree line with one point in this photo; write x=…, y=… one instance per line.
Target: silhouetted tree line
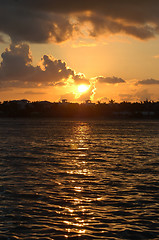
x=24, y=108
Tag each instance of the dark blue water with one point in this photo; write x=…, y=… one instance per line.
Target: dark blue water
x=63, y=179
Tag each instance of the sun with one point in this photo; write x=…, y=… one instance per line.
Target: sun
x=82, y=88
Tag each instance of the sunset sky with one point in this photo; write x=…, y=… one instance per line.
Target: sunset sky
x=50, y=48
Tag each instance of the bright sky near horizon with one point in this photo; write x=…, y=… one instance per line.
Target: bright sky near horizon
x=98, y=50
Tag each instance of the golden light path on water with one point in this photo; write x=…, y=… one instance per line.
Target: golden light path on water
x=80, y=214
x=80, y=136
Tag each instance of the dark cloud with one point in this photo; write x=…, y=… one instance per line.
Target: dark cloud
x=43, y=21
x=55, y=70
x=148, y=82
x=81, y=79
x=110, y=80
x=102, y=25
x=16, y=62
x=16, y=69
x=23, y=23
x=133, y=10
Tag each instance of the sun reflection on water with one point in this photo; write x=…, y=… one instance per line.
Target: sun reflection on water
x=80, y=136
x=79, y=145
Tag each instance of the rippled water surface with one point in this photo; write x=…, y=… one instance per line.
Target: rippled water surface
x=64, y=179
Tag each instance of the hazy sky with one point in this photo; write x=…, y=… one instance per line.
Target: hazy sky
x=50, y=48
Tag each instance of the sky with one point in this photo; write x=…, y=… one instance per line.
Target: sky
x=79, y=50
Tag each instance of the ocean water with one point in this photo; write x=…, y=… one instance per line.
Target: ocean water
x=79, y=179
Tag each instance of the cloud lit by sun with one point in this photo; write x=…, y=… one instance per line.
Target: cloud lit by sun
x=82, y=88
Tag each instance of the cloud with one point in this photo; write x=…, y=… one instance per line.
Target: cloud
x=88, y=95
x=110, y=80
x=81, y=79
x=44, y=21
x=17, y=70
x=33, y=93
x=148, y=82
x=103, y=25
x=83, y=43
x=55, y=70
x=22, y=23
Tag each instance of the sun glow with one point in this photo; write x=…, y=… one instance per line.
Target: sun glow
x=82, y=88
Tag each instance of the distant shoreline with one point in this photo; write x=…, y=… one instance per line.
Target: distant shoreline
x=88, y=110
